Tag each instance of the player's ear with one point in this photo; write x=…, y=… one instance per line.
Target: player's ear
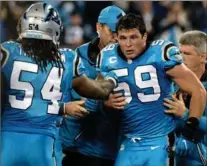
x=145, y=36
x=98, y=28
x=203, y=58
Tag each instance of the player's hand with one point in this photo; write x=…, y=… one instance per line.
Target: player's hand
x=176, y=106
x=183, y=146
x=116, y=101
x=76, y=109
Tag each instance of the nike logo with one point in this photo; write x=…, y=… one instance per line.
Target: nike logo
x=154, y=147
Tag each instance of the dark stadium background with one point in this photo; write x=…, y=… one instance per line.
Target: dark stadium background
x=164, y=19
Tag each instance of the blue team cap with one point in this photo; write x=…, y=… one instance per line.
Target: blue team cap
x=110, y=16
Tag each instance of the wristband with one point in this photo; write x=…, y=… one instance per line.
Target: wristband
x=113, y=80
x=62, y=109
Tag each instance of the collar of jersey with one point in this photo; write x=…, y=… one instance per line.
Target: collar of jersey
x=204, y=77
x=93, y=51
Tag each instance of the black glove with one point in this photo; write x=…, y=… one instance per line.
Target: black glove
x=190, y=129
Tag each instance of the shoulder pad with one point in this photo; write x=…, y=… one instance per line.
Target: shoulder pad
x=107, y=51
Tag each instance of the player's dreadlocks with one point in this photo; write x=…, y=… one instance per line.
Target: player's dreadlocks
x=42, y=51
x=48, y=25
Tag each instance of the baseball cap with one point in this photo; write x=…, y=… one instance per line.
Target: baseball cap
x=110, y=16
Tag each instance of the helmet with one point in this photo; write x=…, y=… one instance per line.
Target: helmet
x=40, y=21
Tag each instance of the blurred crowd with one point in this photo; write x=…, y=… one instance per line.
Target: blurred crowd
x=164, y=19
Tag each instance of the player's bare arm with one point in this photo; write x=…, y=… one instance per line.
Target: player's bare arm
x=96, y=89
x=189, y=83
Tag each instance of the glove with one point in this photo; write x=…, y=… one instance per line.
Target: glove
x=190, y=129
x=187, y=141
x=111, y=76
x=183, y=146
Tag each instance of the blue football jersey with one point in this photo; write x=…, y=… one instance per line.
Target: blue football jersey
x=87, y=135
x=145, y=84
x=89, y=64
x=72, y=127
x=33, y=94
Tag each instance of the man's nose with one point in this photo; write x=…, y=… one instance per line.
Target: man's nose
x=128, y=42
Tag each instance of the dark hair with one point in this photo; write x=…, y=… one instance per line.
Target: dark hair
x=43, y=52
x=130, y=21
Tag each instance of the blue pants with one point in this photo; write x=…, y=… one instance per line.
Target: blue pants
x=194, y=158
x=58, y=150
x=184, y=161
x=24, y=149
x=143, y=152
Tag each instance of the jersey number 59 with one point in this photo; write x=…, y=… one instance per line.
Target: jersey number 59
x=140, y=83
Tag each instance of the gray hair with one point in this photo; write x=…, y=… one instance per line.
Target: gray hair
x=196, y=38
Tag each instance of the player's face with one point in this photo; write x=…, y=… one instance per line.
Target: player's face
x=190, y=56
x=106, y=35
x=131, y=42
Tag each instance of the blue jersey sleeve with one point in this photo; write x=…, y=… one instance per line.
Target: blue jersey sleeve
x=92, y=105
x=171, y=55
x=77, y=67
x=203, y=125
x=77, y=70
x=6, y=50
x=95, y=106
